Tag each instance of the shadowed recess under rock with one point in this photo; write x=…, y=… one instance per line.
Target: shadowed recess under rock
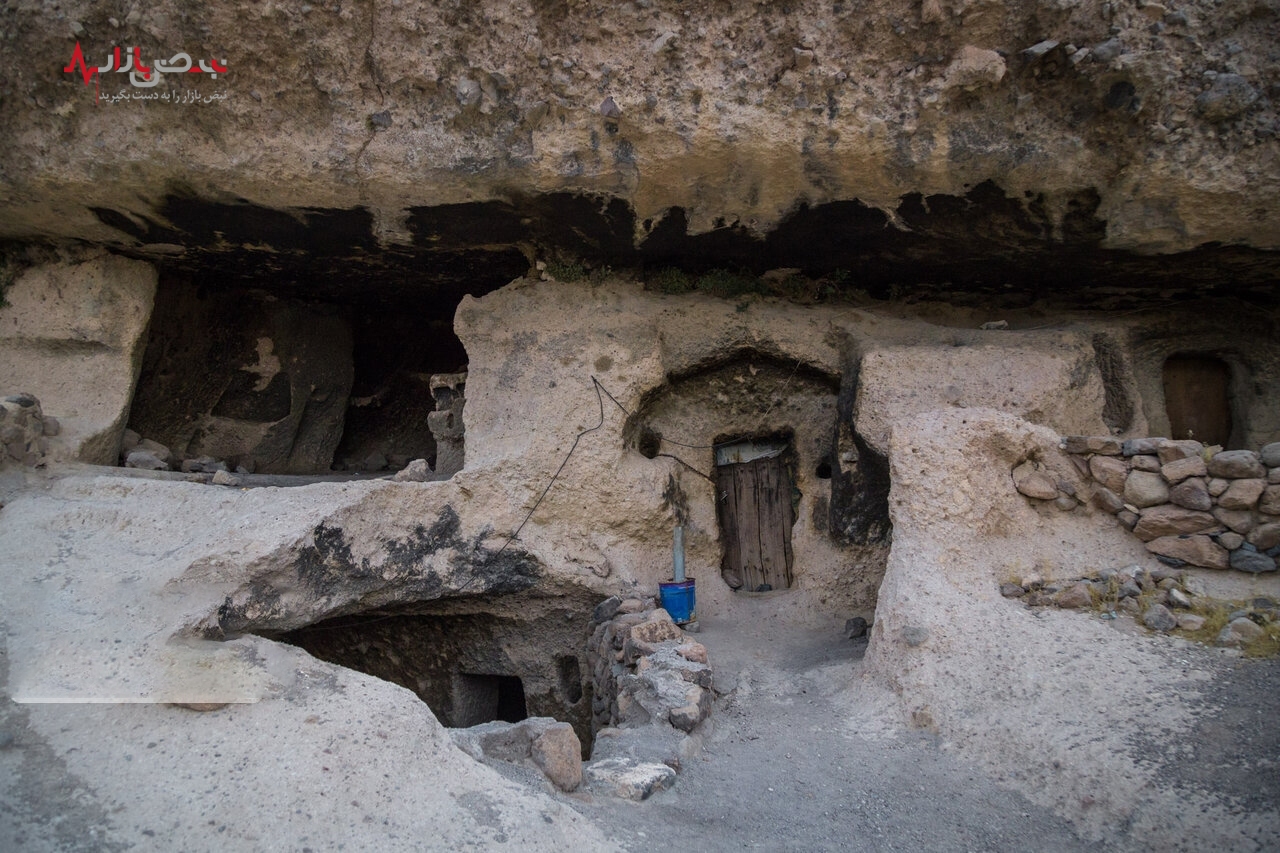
x=983, y=242
x=499, y=657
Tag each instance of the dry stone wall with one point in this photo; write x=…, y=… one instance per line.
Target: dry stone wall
x=1192, y=505
x=652, y=688
x=645, y=669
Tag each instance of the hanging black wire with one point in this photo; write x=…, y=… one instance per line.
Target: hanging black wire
x=600, y=403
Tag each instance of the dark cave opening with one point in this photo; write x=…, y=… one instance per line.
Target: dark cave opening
x=266, y=380
x=488, y=660
x=488, y=698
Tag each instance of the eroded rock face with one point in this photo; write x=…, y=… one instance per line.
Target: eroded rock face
x=73, y=333
x=258, y=381
x=476, y=129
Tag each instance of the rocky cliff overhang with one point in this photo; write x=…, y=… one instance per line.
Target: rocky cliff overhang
x=950, y=147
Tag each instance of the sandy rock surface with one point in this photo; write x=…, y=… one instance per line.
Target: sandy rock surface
x=1061, y=705
x=142, y=587
x=77, y=331
x=1161, y=123
x=305, y=751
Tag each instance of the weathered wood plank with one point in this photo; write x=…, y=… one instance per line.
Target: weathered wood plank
x=754, y=508
x=727, y=511
x=773, y=528
x=788, y=521
x=749, y=524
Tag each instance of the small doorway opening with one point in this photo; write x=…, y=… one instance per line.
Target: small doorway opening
x=1197, y=398
x=485, y=698
x=756, y=513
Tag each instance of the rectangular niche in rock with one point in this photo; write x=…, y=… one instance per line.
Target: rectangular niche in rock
x=753, y=503
x=485, y=698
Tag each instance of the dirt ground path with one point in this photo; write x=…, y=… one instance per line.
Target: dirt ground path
x=784, y=769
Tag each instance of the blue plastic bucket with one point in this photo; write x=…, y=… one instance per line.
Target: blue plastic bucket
x=679, y=600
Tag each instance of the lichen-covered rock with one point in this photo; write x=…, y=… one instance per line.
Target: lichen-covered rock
x=1236, y=465
x=1167, y=520
x=1145, y=488
x=1196, y=549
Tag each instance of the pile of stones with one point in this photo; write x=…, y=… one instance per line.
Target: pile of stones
x=543, y=743
x=1192, y=505
x=1163, y=600
x=651, y=691
x=25, y=430
x=148, y=455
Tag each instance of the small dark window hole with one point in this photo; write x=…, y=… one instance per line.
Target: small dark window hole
x=824, y=470
x=649, y=444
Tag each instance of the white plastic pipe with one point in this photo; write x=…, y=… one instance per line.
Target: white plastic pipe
x=677, y=553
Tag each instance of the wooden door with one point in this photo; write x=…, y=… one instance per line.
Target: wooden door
x=754, y=506
x=1197, y=398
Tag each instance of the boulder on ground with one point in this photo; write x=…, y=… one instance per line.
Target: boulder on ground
x=629, y=779
x=1196, y=549
x=551, y=746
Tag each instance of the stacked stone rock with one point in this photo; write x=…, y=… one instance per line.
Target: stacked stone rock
x=644, y=669
x=1190, y=504
x=550, y=746
x=25, y=430
x=1163, y=599
x=651, y=688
